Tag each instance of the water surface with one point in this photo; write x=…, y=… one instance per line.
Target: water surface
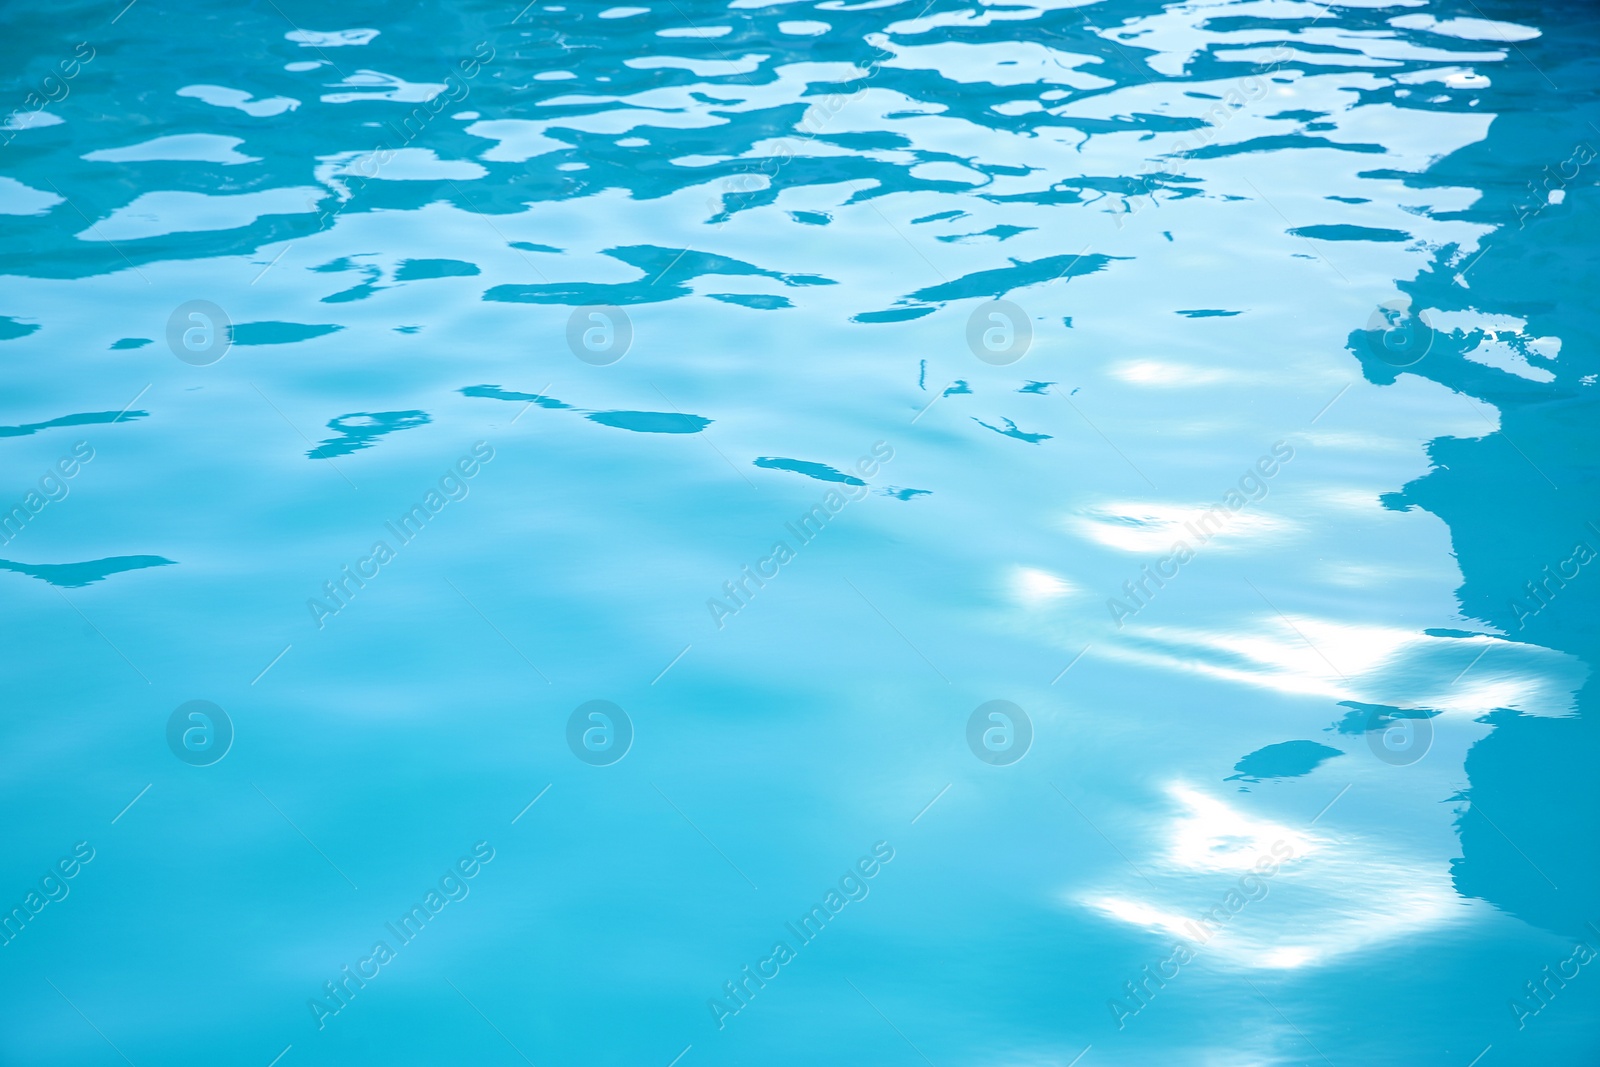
x=401, y=383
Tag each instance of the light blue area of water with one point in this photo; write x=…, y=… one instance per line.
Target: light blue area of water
x=868, y=533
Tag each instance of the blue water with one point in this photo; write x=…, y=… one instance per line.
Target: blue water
x=815, y=533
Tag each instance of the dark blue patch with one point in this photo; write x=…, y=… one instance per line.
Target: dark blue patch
x=993, y=284
x=650, y=421
x=78, y=575
x=494, y=392
x=355, y=292
x=999, y=233
x=1349, y=233
x=1287, y=759
x=360, y=429
x=278, y=333
x=1364, y=718
x=87, y=418
x=820, y=471
x=413, y=270
x=11, y=329
x=1012, y=431
x=1283, y=141
x=759, y=301
x=654, y=263
x=334, y=266
x=900, y=314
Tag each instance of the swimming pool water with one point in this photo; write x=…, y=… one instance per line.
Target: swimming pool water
x=1044, y=532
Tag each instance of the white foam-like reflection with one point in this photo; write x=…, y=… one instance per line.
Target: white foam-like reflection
x=1243, y=891
x=1154, y=527
x=1031, y=586
x=1368, y=662
x=1167, y=375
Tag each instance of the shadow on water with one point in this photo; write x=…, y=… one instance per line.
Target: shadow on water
x=1521, y=500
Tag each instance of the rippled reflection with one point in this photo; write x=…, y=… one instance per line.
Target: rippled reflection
x=1211, y=387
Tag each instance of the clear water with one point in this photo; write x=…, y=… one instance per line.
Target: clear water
x=1304, y=290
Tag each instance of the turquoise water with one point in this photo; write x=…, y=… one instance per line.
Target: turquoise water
x=859, y=533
